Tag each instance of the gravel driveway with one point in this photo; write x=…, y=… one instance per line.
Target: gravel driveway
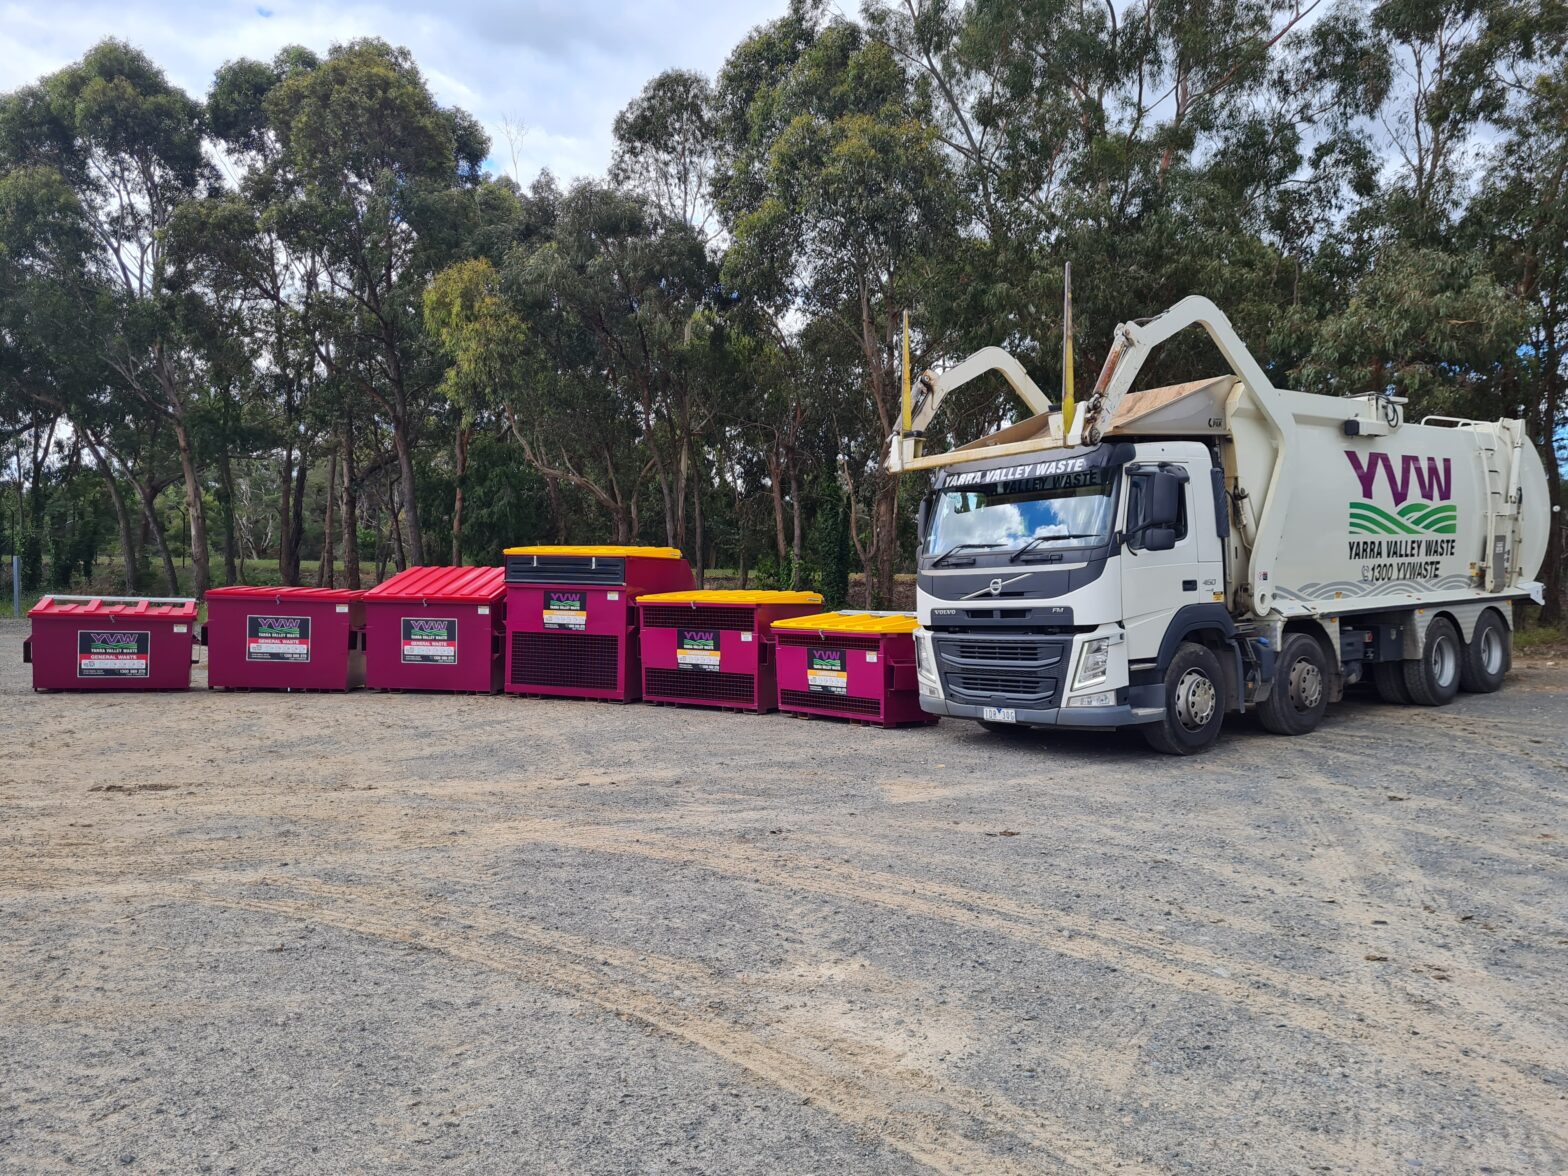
x=359, y=933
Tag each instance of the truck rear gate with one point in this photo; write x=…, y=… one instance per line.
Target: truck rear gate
x=284, y=638
x=714, y=647
x=436, y=629
x=111, y=643
x=571, y=620
x=850, y=666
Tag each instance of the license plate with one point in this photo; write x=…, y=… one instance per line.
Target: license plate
x=1000, y=714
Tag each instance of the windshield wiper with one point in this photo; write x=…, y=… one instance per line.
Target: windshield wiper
x=957, y=547
x=1039, y=539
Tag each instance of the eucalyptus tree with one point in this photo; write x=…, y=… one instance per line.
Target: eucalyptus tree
x=129, y=145
x=840, y=202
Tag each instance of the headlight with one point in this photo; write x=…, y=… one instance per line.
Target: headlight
x=923, y=664
x=1092, y=662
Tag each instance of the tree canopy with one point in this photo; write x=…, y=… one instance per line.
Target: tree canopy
x=301, y=325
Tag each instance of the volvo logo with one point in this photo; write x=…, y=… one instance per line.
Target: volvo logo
x=995, y=587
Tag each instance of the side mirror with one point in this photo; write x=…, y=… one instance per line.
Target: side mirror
x=1163, y=507
x=921, y=516
x=1159, y=539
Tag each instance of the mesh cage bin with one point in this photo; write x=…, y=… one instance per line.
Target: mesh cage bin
x=284, y=638
x=715, y=648
x=111, y=643
x=436, y=629
x=571, y=624
x=850, y=666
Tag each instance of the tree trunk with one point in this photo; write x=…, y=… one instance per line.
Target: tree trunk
x=696, y=520
x=886, y=542
x=350, y=519
x=798, y=538
x=460, y=463
x=231, y=572
x=776, y=477
x=405, y=465
x=297, y=516
x=155, y=530
x=552, y=491
x=201, y=579
x=288, y=545
x=398, y=555
x=121, y=514
x=326, y=570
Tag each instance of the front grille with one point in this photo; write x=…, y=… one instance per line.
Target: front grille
x=565, y=569
x=832, y=640
x=676, y=616
x=996, y=651
x=705, y=685
x=834, y=702
x=1002, y=670
x=582, y=661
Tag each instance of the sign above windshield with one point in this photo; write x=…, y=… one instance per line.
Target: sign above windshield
x=1023, y=473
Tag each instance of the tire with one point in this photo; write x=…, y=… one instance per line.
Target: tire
x=1389, y=678
x=1300, y=695
x=1433, y=678
x=1488, y=655
x=1194, y=703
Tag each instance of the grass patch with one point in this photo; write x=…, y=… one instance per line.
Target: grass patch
x=1540, y=637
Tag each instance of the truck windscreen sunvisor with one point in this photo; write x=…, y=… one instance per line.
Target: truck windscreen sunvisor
x=1060, y=510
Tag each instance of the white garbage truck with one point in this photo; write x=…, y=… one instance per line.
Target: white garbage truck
x=1161, y=558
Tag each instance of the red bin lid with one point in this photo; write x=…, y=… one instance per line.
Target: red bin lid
x=167, y=608
x=275, y=592
x=453, y=585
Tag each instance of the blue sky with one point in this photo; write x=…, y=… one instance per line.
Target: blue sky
x=562, y=69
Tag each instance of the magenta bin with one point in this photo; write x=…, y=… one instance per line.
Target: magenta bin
x=111, y=643
x=715, y=648
x=850, y=666
x=571, y=624
x=284, y=638
x=436, y=629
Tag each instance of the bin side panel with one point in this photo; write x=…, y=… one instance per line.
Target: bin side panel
x=570, y=641
x=431, y=646
x=112, y=653
x=252, y=646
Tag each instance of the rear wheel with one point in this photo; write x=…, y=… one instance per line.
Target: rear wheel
x=1389, y=678
x=1487, y=656
x=1194, y=703
x=1300, y=695
x=1433, y=678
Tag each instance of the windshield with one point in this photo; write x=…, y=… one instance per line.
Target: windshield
x=1046, y=520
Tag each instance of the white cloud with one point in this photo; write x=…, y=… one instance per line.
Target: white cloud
x=561, y=68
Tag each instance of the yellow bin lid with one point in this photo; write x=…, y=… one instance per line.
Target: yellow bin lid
x=731, y=596
x=838, y=622
x=644, y=552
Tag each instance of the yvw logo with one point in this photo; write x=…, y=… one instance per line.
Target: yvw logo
x=113, y=638
x=419, y=626
x=1433, y=482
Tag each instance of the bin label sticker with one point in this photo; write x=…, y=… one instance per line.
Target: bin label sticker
x=825, y=673
x=430, y=641
x=697, y=649
x=565, y=610
x=113, y=654
x=277, y=639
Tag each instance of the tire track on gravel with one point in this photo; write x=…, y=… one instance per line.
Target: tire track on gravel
x=867, y=1098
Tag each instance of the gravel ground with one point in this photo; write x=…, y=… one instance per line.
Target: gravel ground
x=313, y=933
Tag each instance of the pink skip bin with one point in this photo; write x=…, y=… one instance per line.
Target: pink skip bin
x=850, y=666
x=714, y=647
x=436, y=629
x=284, y=638
x=571, y=625
x=111, y=643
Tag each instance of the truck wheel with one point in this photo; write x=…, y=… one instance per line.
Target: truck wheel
x=1487, y=656
x=1389, y=678
x=1300, y=695
x=1433, y=678
x=1194, y=703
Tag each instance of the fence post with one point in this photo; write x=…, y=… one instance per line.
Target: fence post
x=16, y=585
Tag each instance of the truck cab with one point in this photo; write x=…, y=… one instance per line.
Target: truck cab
x=1054, y=592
